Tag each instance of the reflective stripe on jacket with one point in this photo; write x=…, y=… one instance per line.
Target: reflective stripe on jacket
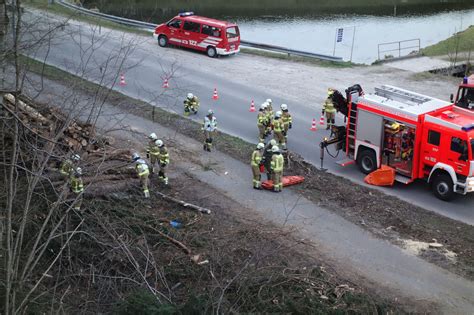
x=262, y=118
x=277, y=163
x=164, y=155
x=76, y=185
x=329, y=106
x=210, y=124
x=286, y=118
x=256, y=158
x=153, y=148
x=278, y=125
x=142, y=169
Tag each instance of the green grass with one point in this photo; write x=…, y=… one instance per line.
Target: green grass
x=63, y=11
x=307, y=60
x=459, y=42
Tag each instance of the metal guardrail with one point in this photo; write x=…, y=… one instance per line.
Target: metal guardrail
x=399, y=47
x=151, y=27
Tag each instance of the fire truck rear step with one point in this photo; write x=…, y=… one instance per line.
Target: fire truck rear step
x=403, y=179
x=345, y=162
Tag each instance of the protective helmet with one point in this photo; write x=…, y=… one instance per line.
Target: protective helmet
x=141, y=161
x=275, y=149
x=135, y=157
x=190, y=95
x=263, y=106
x=278, y=114
x=159, y=143
x=330, y=91
x=75, y=157
x=210, y=112
x=284, y=107
x=78, y=171
x=273, y=142
x=260, y=146
x=152, y=136
x=269, y=101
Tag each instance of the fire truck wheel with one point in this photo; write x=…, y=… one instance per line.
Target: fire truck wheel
x=366, y=161
x=163, y=41
x=443, y=187
x=211, y=52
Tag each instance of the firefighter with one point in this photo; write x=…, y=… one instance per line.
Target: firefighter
x=262, y=122
x=329, y=109
x=209, y=127
x=191, y=104
x=67, y=166
x=270, y=115
x=164, y=160
x=278, y=129
x=255, y=162
x=142, y=171
x=77, y=187
x=287, y=120
x=152, y=151
x=277, y=169
x=267, y=157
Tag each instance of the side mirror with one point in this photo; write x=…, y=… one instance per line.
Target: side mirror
x=451, y=98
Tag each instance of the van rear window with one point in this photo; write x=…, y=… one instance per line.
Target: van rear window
x=192, y=26
x=232, y=32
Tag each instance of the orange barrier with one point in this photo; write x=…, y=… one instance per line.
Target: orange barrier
x=384, y=176
x=286, y=180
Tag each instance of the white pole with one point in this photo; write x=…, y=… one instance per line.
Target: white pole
x=353, y=40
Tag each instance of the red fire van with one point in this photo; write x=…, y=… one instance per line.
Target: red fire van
x=188, y=30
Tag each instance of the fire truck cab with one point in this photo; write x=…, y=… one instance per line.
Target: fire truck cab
x=188, y=30
x=465, y=94
x=419, y=136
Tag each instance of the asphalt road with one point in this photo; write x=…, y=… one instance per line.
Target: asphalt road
x=82, y=50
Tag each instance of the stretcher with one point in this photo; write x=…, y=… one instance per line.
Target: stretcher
x=286, y=180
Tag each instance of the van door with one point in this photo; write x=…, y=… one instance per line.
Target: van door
x=233, y=38
x=458, y=155
x=210, y=36
x=191, y=33
x=175, y=35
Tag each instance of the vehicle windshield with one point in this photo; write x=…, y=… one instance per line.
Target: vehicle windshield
x=232, y=32
x=466, y=97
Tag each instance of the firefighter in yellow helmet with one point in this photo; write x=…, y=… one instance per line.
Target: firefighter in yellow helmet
x=68, y=165
x=191, y=104
x=142, y=171
x=77, y=187
x=287, y=120
x=277, y=169
x=152, y=151
x=255, y=162
x=278, y=129
x=329, y=109
x=164, y=160
x=262, y=120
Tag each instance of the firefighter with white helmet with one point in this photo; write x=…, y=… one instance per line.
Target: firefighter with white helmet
x=191, y=104
x=77, y=187
x=255, y=163
x=270, y=114
x=277, y=169
x=152, y=151
x=209, y=127
x=329, y=109
x=68, y=165
x=164, y=160
x=262, y=122
x=142, y=171
x=278, y=129
x=287, y=120
x=267, y=157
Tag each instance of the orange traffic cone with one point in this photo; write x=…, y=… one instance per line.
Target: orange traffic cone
x=252, y=107
x=321, y=120
x=313, y=125
x=215, y=97
x=122, y=80
x=165, y=84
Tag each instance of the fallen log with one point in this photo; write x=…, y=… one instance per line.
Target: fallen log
x=30, y=111
x=184, y=203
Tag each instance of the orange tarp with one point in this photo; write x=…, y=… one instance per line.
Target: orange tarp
x=384, y=176
x=286, y=180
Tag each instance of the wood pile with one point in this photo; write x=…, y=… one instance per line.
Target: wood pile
x=77, y=137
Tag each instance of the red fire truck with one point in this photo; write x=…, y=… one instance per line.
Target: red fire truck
x=188, y=30
x=419, y=136
x=465, y=95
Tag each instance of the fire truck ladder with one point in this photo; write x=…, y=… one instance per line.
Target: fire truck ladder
x=351, y=130
x=397, y=94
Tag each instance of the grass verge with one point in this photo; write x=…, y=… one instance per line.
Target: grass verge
x=458, y=43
